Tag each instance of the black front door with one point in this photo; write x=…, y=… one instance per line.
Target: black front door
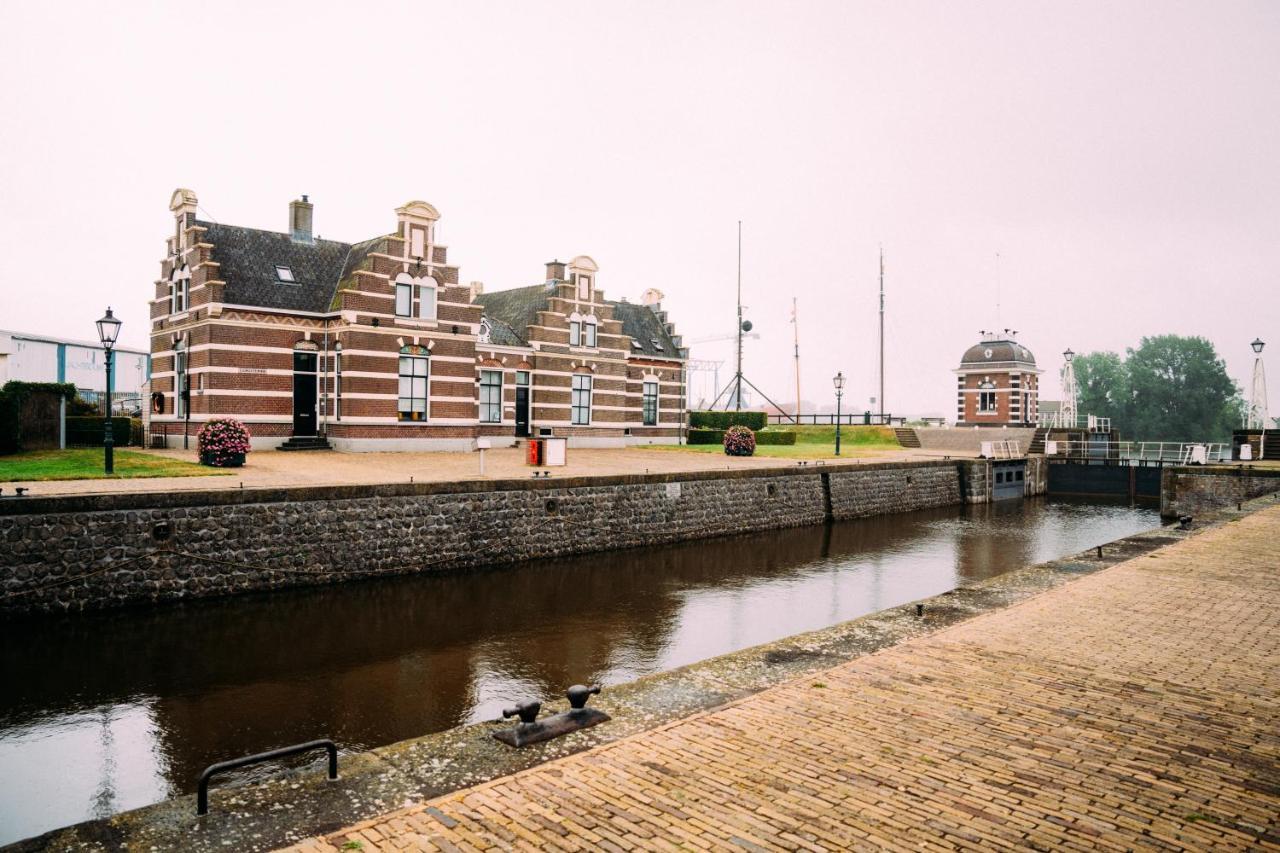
x=304, y=393
x=522, y=411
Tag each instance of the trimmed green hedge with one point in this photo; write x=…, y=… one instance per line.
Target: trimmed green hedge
x=780, y=436
x=87, y=431
x=12, y=396
x=706, y=436
x=755, y=421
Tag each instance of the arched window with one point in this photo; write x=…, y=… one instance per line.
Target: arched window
x=588, y=331
x=650, y=400
x=415, y=372
x=491, y=394
x=422, y=290
x=986, y=397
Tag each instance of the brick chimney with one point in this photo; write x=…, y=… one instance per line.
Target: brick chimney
x=300, y=221
x=555, y=271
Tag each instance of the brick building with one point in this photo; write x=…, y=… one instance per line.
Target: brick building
x=998, y=383
x=377, y=345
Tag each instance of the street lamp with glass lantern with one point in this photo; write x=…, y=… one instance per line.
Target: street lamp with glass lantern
x=108, y=331
x=838, y=381
x=1257, y=418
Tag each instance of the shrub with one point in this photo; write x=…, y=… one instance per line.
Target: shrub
x=706, y=436
x=739, y=441
x=724, y=420
x=219, y=441
x=13, y=399
x=776, y=436
x=87, y=431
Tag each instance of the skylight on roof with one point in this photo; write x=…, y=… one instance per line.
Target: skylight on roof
x=635, y=344
x=285, y=274
x=657, y=344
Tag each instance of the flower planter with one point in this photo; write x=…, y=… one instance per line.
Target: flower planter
x=231, y=460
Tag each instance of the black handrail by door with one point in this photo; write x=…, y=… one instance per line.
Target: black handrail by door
x=202, y=794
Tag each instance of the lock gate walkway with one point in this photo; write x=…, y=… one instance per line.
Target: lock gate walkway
x=1134, y=707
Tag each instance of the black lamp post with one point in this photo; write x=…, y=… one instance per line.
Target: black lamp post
x=1257, y=345
x=108, y=331
x=838, y=381
x=1068, y=355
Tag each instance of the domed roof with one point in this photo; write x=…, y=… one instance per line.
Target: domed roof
x=997, y=351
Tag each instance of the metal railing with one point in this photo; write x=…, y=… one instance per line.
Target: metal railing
x=202, y=793
x=1001, y=450
x=1134, y=452
x=829, y=419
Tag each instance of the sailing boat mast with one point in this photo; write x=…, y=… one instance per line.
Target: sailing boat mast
x=882, y=334
x=795, y=321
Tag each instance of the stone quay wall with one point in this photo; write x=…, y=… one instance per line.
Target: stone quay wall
x=100, y=551
x=1191, y=491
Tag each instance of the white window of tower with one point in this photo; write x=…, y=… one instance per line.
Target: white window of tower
x=584, y=287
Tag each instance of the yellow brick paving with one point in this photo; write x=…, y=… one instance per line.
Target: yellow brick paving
x=1133, y=708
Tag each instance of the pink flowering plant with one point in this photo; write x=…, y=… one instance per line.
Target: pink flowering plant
x=222, y=442
x=739, y=441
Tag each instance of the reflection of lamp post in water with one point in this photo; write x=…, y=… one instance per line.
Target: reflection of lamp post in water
x=1258, y=399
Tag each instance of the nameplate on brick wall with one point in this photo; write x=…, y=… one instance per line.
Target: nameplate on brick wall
x=252, y=370
x=673, y=490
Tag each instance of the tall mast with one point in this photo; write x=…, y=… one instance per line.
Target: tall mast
x=737, y=401
x=795, y=320
x=882, y=334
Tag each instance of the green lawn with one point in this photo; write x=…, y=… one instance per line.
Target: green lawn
x=86, y=464
x=812, y=442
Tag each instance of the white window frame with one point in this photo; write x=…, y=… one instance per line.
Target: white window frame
x=487, y=407
x=575, y=333
x=589, y=332
x=337, y=382
x=584, y=287
x=575, y=397
x=987, y=391
x=644, y=402
x=180, y=377
x=404, y=295
x=180, y=290
x=423, y=287
x=413, y=376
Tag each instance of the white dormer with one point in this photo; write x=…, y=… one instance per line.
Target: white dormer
x=582, y=273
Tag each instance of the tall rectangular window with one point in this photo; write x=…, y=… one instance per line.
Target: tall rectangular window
x=404, y=299
x=413, y=388
x=575, y=333
x=491, y=396
x=589, y=334
x=581, y=400
x=337, y=385
x=426, y=302
x=180, y=399
x=651, y=404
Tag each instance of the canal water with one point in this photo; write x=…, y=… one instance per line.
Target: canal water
x=105, y=712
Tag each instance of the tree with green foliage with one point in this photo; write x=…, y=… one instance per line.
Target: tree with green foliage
x=1180, y=391
x=1102, y=384
x=1171, y=388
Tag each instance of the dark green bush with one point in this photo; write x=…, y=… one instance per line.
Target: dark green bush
x=755, y=421
x=12, y=396
x=706, y=436
x=779, y=436
x=87, y=431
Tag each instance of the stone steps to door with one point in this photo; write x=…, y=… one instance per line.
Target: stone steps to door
x=306, y=442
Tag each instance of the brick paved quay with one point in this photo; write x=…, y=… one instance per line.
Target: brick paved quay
x=1134, y=707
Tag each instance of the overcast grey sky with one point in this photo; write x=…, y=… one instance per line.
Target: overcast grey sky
x=1122, y=158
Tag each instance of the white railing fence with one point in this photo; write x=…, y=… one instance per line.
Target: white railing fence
x=1178, y=452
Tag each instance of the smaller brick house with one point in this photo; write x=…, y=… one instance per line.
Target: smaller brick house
x=997, y=383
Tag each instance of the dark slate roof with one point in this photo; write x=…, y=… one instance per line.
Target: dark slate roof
x=643, y=325
x=1002, y=352
x=248, y=257
x=512, y=312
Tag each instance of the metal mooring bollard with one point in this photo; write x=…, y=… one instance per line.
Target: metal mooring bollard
x=1099, y=552
x=1184, y=523
x=919, y=609
x=533, y=730
x=528, y=711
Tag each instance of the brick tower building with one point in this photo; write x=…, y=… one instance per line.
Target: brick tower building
x=377, y=345
x=998, y=383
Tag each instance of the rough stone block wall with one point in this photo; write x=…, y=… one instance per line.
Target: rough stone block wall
x=94, y=552
x=1189, y=491
x=885, y=489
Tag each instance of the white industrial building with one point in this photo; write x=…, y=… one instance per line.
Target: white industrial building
x=40, y=358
